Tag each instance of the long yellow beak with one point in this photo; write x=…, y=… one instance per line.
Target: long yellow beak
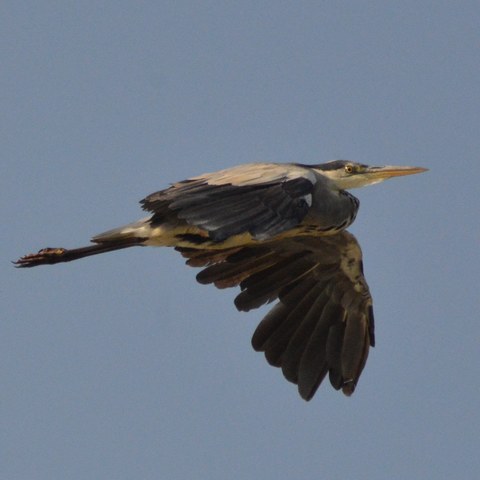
x=390, y=171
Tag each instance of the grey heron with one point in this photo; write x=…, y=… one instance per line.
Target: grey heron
x=278, y=232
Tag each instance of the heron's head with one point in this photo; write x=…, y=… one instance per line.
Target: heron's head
x=346, y=175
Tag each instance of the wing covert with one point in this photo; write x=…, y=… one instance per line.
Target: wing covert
x=262, y=199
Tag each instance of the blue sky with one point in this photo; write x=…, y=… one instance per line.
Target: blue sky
x=122, y=366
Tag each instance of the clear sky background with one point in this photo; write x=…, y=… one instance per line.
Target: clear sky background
x=123, y=367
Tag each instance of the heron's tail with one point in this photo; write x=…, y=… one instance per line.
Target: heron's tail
x=49, y=256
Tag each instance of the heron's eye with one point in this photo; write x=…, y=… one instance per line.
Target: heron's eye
x=348, y=168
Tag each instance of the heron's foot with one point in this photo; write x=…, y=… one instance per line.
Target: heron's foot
x=44, y=256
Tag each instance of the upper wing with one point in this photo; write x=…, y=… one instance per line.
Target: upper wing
x=323, y=322
x=262, y=199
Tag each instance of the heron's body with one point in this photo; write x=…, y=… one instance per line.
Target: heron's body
x=242, y=205
x=277, y=231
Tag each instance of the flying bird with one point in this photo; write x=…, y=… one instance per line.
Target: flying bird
x=277, y=231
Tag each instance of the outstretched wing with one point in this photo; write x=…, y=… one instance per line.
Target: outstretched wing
x=323, y=322
x=262, y=199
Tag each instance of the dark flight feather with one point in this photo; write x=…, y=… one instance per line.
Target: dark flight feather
x=323, y=321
